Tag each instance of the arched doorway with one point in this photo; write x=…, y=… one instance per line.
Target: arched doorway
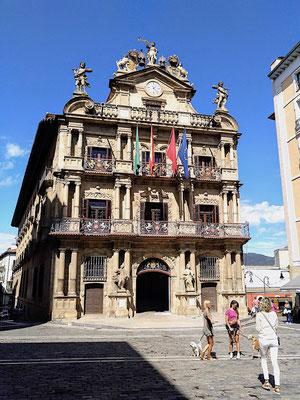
x=153, y=286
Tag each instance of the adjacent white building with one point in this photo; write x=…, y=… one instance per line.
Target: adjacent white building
x=281, y=257
x=7, y=261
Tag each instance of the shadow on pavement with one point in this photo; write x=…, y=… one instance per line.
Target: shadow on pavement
x=8, y=325
x=89, y=370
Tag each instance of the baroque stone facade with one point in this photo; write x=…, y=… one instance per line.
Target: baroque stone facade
x=98, y=237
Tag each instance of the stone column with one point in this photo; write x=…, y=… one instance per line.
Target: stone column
x=66, y=199
x=181, y=268
x=222, y=155
x=119, y=136
x=193, y=267
x=234, y=204
x=127, y=262
x=191, y=202
x=61, y=272
x=225, y=206
x=189, y=140
x=116, y=259
x=73, y=273
x=69, y=141
x=127, y=202
x=129, y=146
x=231, y=156
x=117, y=200
x=79, y=143
x=238, y=271
x=77, y=199
x=228, y=271
x=181, y=208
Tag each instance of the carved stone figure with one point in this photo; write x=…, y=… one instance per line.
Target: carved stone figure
x=183, y=72
x=121, y=278
x=172, y=68
x=81, y=78
x=133, y=60
x=151, y=53
x=162, y=62
x=142, y=59
x=221, y=97
x=188, y=278
x=122, y=64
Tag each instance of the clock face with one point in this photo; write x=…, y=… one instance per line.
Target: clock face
x=153, y=88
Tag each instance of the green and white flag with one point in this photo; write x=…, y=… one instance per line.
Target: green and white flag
x=137, y=162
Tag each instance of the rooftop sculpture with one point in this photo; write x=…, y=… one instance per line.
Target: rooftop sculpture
x=134, y=59
x=81, y=78
x=221, y=97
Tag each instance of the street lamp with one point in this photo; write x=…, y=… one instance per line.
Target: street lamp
x=266, y=282
x=250, y=274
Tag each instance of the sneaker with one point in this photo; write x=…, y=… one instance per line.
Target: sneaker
x=238, y=355
x=231, y=355
x=266, y=386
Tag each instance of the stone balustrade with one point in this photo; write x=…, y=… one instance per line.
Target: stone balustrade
x=142, y=114
x=90, y=227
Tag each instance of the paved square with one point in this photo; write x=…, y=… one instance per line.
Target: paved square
x=49, y=361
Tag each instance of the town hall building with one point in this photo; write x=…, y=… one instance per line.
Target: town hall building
x=107, y=225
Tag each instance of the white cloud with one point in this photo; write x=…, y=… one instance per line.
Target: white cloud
x=261, y=213
x=4, y=166
x=14, y=150
x=281, y=233
x=8, y=181
x=7, y=240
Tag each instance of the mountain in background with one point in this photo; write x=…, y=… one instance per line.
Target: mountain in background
x=257, y=259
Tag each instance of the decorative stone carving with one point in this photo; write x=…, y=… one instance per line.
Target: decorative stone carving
x=97, y=195
x=221, y=97
x=133, y=60
x=188, y=278
x=162, y=63
x=154, y=194
x=122, y=64
x=151, y=53
x=183, y=72
x=154, y=264
x=142, y=59
x=202, y=200
x=81, y=78
x=121, y=278
x=172, y=68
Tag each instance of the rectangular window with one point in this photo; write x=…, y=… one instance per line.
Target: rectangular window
x=204, y=161
x=99, y=153
x=97, y=209
x=206, y=214
x=95, y=268
x=209, y=269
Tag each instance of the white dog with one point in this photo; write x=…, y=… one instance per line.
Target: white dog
x=197, y=348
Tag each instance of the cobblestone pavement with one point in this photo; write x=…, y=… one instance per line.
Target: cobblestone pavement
x=48, y=361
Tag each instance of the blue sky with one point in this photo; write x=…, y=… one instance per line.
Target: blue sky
x=234, y=41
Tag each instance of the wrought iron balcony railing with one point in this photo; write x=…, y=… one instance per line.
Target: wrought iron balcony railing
x=207, y=173
x=89, y=227
x=95, y=164
x=297, y=127
x=160, y=169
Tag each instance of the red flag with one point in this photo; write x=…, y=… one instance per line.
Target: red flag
x=171, y=153
x=151, y=158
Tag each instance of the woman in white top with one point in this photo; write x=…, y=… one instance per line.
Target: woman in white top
x=266, y=325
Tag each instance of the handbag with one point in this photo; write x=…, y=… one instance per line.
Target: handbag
x=278, y=338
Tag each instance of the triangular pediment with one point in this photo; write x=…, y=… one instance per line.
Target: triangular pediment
x=132, y=89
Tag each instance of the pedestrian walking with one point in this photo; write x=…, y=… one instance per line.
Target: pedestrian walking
x=288, y=312
x=274, y=307
x=255, y=304
x=233, y=326
x=266, y=326
x=207, y=331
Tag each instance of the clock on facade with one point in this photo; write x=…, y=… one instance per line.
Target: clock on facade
x=153, y=88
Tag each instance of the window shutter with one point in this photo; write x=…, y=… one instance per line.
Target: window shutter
x=216, y=214
x=108, y=154
x=142, y=210
x=85, y=208
x=108, y=209
x=165, y=211
x=197, y=212
x=89, y=151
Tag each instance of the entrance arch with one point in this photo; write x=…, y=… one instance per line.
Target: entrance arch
x=153, y=286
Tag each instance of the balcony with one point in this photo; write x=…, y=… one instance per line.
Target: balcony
x=207, y=173
x=117, y=227
x=229, y=174
x=141, y=114
x=160, y=170
x=297, y=125
x=98, y=165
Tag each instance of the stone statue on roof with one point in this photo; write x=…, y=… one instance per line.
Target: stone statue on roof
x=152, y=51
x=81, y=78
x=221, y=97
